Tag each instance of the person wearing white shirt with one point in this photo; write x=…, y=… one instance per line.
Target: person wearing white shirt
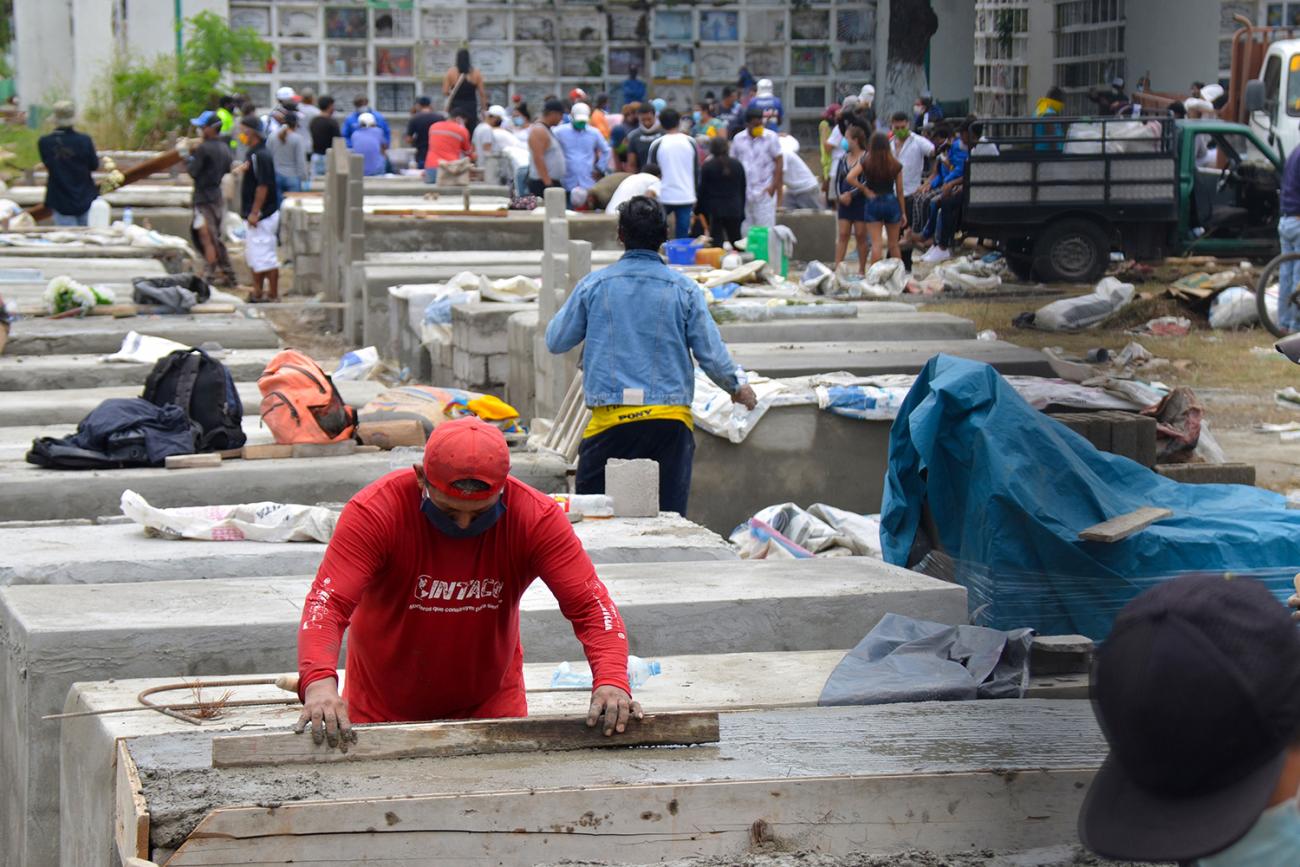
x=644, y=183
x=679, y=167
x=802, y=189
x=911, y=150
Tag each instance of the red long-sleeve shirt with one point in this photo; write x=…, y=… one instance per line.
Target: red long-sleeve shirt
x=433, y=621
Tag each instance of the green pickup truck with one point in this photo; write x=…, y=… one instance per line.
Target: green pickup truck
x=1060, y=194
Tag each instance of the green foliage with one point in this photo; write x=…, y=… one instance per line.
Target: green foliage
x=17, y=150
x=147, y=105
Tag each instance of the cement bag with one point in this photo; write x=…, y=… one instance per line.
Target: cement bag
x=254, y=522
x=817, y=278
x=511, y=289
x=431, y=406
x=860, y=532
x=143, y=349
x=438, y=311
x=1076, y=314
x=1234, y=307
x=787, y=531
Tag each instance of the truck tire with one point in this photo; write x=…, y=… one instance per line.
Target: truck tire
x=1072, y=251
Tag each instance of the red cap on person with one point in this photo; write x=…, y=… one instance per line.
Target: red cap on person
x=577, y=95
x=468, y=448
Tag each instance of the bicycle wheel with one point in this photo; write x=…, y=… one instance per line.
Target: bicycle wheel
x=1261, y=299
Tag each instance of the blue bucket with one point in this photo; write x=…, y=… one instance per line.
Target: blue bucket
x=681, y=251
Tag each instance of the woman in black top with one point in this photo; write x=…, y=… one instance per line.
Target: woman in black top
x=466, y=94
x=879, y=177
x=851, y=204
x=722, y=192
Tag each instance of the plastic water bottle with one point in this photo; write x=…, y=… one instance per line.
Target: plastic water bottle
x=640, y=670
x=128, y=217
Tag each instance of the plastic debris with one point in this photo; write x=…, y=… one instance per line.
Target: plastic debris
x=357, y=364
x=1075, y=314
x=1165, y=326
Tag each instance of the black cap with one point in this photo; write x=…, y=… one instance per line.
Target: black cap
x=552, y=105
x=1197, y=691
x=253, y=122
x=424, y=100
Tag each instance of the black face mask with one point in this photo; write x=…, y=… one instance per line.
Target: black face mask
x=445, y=525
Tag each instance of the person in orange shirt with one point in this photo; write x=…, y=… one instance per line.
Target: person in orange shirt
x=600, y=115
x=448, y=142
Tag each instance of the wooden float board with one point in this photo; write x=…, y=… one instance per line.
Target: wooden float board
x=464, y=738
x=131, y=822
x=1123, y=526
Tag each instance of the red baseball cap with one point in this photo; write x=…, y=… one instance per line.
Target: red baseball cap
x=468, y=448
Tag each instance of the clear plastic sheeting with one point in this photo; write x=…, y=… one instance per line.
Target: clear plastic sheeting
x=904, y=660
x=821, y=531
x=1075, y=314
x=978, y=474
x=254, y=522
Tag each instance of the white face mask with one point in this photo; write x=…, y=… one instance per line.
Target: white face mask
x=1273, y=839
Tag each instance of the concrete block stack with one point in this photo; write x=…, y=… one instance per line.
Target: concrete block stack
x=480, y=346
x=1126, y=434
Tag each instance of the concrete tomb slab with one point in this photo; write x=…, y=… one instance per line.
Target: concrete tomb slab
x=779, y=360
x=112, y=553
x=103, y=334
x=16, y=441
x=867, y=326
x=696, y=682
x=35, y=494
x=52, y=636
x=50, y=372
x=86, y=269
x=71, y=405
x=883, y=772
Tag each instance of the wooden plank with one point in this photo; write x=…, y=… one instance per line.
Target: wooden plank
x=839, y=815
x=191, y=462
x=324, y=450
x=1123, y=526
x=139, y=171
x=131, y=814
x=267, y=451
x=464, y=738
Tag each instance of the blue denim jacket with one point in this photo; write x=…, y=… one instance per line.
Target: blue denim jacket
x=641, y=321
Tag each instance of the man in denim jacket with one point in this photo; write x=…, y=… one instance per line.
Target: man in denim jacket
x=641, y=322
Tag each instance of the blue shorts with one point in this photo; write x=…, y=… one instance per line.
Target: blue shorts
x=884, y=209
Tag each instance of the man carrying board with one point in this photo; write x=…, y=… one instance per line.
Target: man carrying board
x=425, y=571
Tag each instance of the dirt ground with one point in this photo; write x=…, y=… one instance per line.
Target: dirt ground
x=1235, y=373
x=1056, y=856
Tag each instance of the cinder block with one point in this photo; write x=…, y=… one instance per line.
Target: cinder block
x=482, y=328
x=498, y=368
x=633, y=486
x=1208, y=474
x=1123, y=435
x=1145, y=427
x=468, y=369
x=1061, y=654
x=521, y=379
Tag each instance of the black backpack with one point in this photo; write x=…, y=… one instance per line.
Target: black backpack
x=204, y=388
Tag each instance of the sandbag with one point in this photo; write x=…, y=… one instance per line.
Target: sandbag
x=257, y=522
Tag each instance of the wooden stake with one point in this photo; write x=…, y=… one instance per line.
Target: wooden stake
x=463, y=738
x=1123, y=526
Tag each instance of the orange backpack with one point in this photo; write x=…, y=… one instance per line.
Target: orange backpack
x=300, y=403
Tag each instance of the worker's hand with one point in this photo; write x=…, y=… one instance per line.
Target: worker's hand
x=183, y=147
x=616, y=706
x=846, y=198
x=771, y=189
x=745, y=397
x=253, y=218
x=327, y=713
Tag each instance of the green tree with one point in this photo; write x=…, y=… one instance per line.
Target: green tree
x=146, y=105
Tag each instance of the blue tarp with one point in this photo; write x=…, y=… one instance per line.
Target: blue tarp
x=1009, y=490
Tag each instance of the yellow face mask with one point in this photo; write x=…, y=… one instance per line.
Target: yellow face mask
x=757, y=132
x=243, y=139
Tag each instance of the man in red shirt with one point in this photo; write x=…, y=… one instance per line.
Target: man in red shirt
x=448, y=141
x=425, y=570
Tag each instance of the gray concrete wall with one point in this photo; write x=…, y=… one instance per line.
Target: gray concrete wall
x=797, y=454
x=952, y=50
x=1176, y=43
x=103, y=334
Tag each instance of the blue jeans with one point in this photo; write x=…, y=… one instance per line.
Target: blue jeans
x=72, y=219
x=1288, y=232
x=681, y=217
x=521, y=181
x=318, y=164
x=291, y=184
x=431, y=175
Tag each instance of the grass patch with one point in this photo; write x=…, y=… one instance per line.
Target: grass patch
x=21, y=142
